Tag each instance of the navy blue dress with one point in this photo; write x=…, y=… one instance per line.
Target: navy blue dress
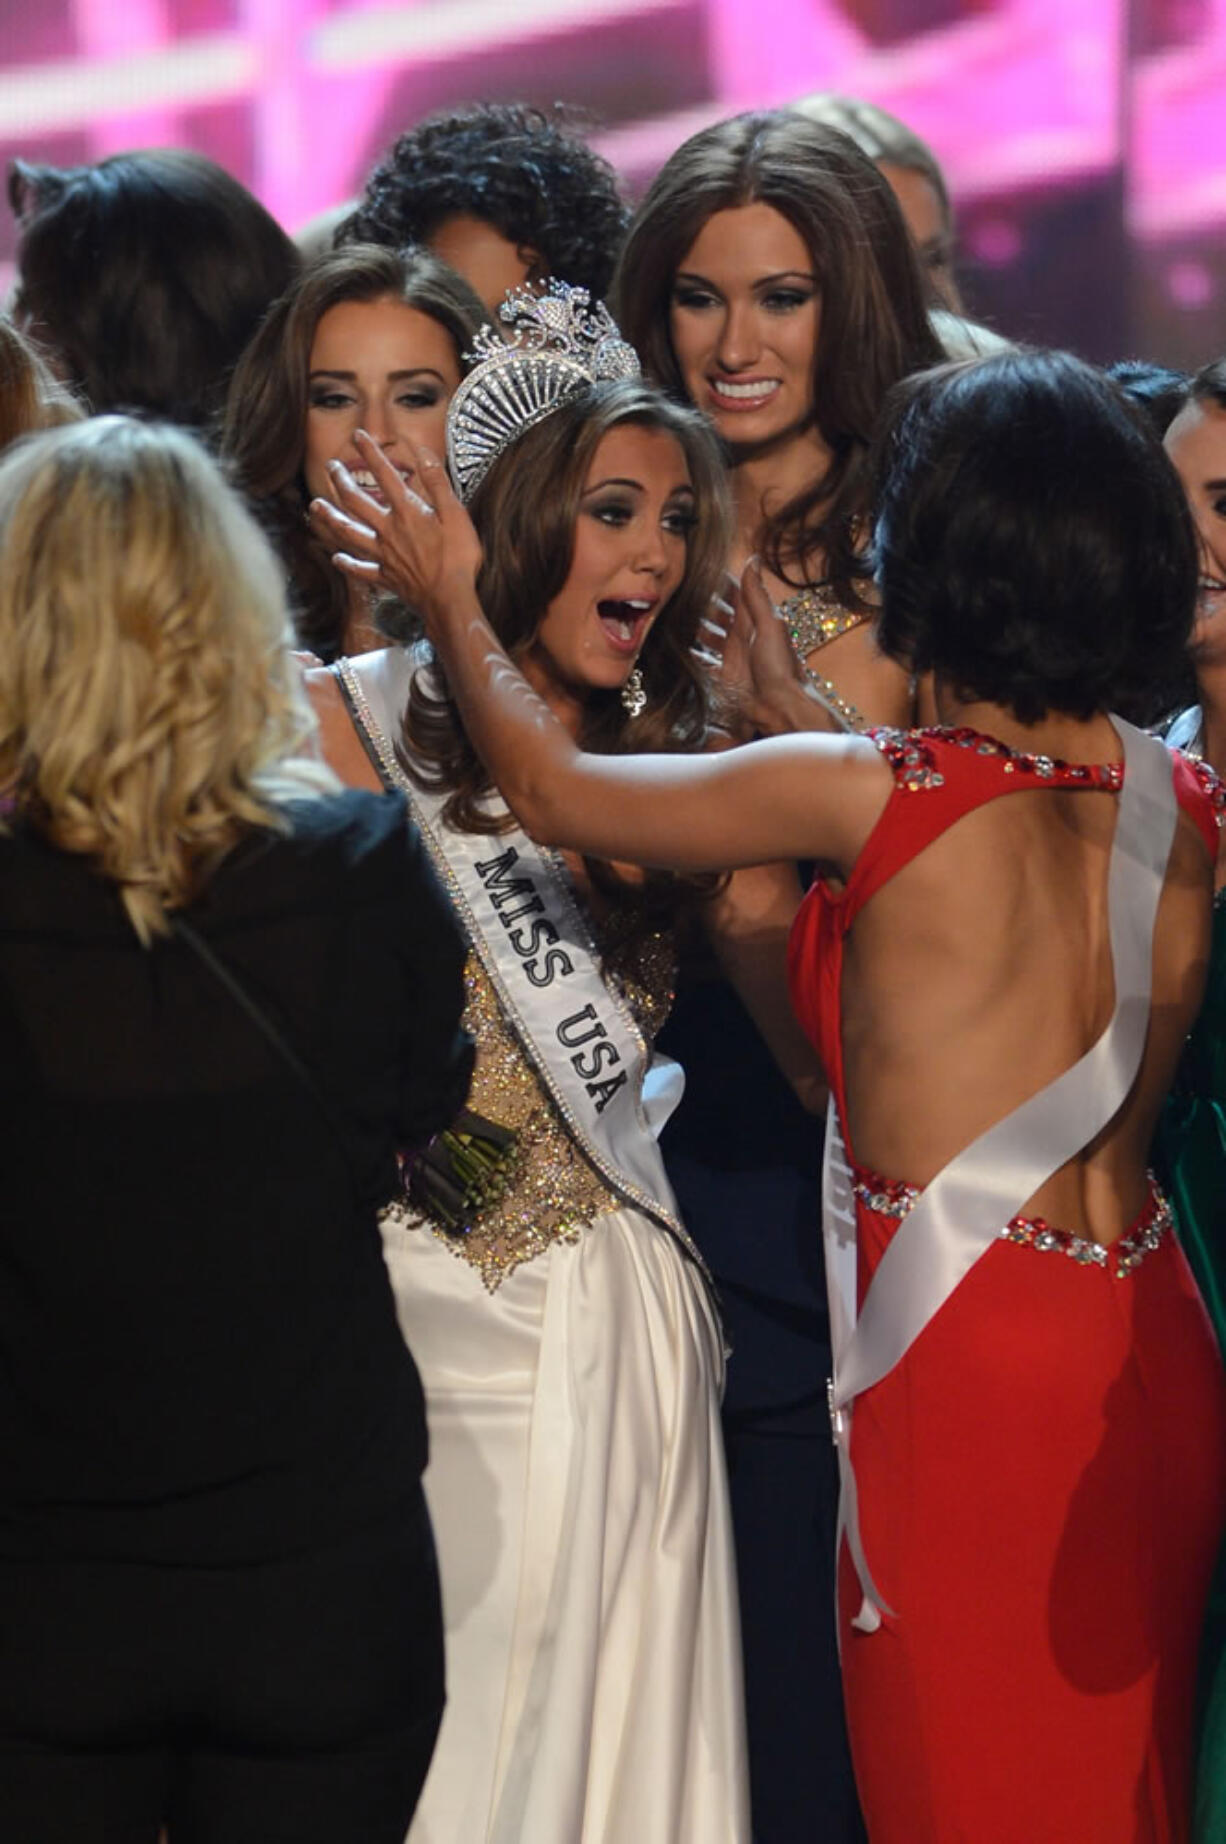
x=745, y=1160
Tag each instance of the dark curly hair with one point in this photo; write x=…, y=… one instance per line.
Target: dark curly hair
x=526, y=173
x=1032, y=542
x=874, y=324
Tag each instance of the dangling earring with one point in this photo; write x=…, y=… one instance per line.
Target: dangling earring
x=634, y=694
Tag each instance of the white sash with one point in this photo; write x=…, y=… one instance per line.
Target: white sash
x=521, y=916
x=963, y=1210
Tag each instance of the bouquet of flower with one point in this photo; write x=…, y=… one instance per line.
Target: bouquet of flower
x=462, y=1171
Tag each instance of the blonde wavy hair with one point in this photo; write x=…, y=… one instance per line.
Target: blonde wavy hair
x=151, y=712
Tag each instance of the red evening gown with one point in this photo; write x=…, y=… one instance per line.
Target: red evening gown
x=1040, y=1478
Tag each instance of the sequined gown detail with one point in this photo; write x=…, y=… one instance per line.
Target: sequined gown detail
x=1040, y=1478
x=814, y=617
x=555, y=1191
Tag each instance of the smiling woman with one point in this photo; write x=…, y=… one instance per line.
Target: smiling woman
x=746, y=313
x=377, y=365
x=1196, y=443
x=769, y=279
x=366, y=337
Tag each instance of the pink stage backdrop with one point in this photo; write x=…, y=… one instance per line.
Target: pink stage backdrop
x=1085, y=140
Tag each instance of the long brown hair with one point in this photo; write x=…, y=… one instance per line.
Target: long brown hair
x=525, y=511
x=874, y=324
x=31, y=397
x=264, y=429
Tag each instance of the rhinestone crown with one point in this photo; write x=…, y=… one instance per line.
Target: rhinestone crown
x=559, y=344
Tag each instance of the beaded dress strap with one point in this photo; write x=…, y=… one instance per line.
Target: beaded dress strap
x=815, y=616
x=951, y=771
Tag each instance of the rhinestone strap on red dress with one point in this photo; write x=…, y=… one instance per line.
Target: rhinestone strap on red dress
x=890, y=1197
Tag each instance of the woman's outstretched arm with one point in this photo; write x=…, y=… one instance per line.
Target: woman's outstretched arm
x=795, y=796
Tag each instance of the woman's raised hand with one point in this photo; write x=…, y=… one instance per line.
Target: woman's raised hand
x=421, y=545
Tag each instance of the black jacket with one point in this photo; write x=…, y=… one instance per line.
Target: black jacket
x=199, y=1356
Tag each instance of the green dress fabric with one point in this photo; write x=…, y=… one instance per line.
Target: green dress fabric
x=1191, y=1156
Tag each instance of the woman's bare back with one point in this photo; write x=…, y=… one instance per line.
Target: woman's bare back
x=982, y=970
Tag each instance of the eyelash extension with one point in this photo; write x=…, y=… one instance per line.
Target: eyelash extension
x=422, y=398
x=783, y=300
x=610, y=512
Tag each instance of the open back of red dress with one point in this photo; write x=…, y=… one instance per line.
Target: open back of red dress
x=1041, y=1478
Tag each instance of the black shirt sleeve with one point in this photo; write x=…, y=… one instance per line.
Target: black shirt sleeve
x=436, y=1055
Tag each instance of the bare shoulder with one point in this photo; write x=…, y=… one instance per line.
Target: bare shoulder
x=331, y=711
x=840, y=782
x=1190, y=861
x=341, y=745
x=876, y=687
x=322, y=687
x=868, y=782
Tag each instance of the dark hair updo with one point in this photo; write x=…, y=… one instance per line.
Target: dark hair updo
x=1032, y=542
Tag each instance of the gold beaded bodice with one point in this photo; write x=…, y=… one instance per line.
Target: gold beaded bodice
x=814, y=617
x=554, y=1191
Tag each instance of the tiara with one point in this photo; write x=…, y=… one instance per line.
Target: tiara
x=559, y=345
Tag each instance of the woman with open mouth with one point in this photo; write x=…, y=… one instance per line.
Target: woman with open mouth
x=563, y=1320
x=364, y=338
